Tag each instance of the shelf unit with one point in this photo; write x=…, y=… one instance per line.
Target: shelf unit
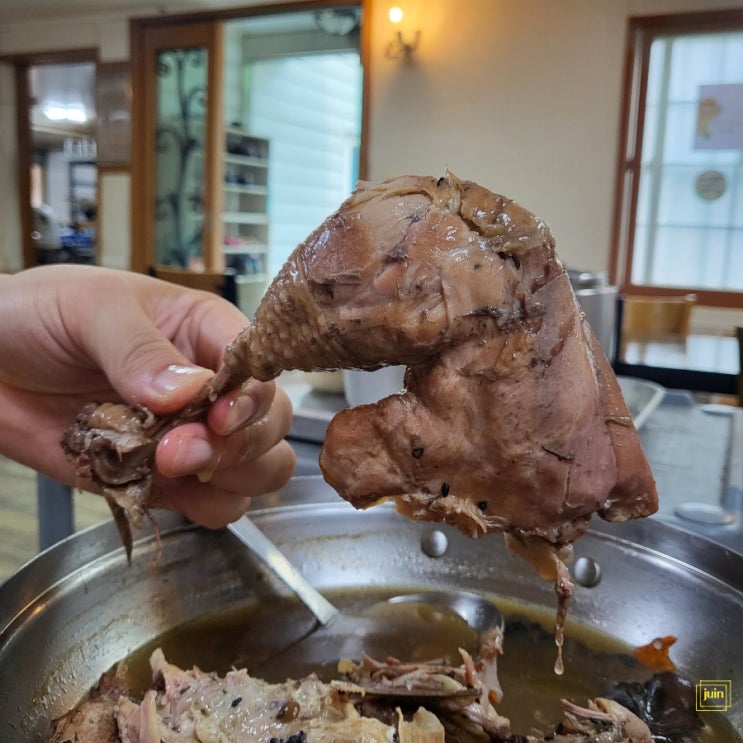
x=245, y=213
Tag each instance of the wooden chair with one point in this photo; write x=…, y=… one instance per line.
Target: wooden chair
x=222, y=283
x=643, y=317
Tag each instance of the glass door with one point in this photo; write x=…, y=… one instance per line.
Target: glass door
x=247, y=132
x=175, y=125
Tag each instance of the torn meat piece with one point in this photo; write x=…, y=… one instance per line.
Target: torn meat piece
x=94, y=721
x=113, y=445
x=602, y=721
x=512, y=419
x=443, y=686
x=191, y=706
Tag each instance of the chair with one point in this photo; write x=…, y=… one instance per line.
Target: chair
x=643, y=317
x=222, y=283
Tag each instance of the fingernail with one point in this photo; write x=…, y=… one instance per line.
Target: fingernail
x=241, y=410
x=174, y=376
x=196, y=456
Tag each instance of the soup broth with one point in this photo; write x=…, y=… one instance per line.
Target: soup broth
x=278, y=640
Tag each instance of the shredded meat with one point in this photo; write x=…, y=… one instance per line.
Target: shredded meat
x=191, y=706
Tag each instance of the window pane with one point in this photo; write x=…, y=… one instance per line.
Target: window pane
x=696, y=257
x=680, y=204
x=690, y=200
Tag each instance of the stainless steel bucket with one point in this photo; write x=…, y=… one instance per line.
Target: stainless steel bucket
x=598, y=300
x=77, y=609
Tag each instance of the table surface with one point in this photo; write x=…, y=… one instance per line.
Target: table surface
x=703, y=363
x=695, y=453
x=714, y=353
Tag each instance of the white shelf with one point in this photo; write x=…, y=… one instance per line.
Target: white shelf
x=255, y=162
x=244, y=214
x=246, y=189
x=245, y=249
x=245, y=218
x=251, y=278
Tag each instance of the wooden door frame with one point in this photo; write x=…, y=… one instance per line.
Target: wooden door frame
x=640, y=33
x=142, y=170
x=21, y=64
x=145, y=44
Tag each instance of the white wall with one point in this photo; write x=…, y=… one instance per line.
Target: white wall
x=520, y=95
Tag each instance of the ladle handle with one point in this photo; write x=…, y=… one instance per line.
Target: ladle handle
x=263, y=548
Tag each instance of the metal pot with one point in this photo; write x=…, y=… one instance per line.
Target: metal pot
x=77, y=609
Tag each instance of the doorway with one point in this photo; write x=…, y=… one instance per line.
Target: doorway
x=254, y=125
x=58, y=156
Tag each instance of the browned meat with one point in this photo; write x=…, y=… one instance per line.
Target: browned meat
x=114, y=445
x=93, y=721
x=511, y=421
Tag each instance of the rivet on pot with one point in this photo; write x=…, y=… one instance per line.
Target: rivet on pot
x=434, y=543
x=587, y=572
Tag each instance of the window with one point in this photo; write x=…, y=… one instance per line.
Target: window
x=679, y=223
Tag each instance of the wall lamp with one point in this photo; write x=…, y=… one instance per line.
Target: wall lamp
x=403, y=45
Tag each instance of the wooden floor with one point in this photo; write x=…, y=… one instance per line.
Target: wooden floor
x=19, y=534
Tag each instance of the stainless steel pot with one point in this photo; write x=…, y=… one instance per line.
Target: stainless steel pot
x=74, y=611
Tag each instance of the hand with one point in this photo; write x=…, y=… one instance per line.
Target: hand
x=76, y=334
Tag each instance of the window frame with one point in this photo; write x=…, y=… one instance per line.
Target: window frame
x=641, y=32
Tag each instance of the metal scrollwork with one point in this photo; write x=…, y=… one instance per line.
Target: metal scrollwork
x=179, y=145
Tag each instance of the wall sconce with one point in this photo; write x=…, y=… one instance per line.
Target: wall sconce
x=402, y=46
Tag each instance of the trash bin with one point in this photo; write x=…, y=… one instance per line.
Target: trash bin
x=598, y=300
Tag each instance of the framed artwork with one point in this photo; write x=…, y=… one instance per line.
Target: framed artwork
x=114, y=113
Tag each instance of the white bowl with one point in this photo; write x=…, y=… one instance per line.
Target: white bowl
x=362, y=387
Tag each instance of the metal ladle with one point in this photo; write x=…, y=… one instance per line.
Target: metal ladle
x=344, y=635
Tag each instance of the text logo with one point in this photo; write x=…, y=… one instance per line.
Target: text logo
x=714, y=696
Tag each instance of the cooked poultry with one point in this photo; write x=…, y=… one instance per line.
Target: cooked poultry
x=511, y=421
x=191, y=706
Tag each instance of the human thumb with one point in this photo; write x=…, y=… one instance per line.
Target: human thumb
x=144, y=367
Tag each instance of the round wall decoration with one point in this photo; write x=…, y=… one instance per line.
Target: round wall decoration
x=710, y=185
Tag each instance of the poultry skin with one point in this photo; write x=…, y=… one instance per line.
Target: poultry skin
x=511, y=419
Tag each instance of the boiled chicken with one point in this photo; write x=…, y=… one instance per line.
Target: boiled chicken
x=511, y=419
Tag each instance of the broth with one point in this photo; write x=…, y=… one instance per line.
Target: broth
x=267, y=639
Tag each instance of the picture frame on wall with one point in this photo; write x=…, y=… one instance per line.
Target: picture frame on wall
x=114, y=113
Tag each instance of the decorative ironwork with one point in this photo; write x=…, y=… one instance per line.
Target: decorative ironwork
x=179, y=206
